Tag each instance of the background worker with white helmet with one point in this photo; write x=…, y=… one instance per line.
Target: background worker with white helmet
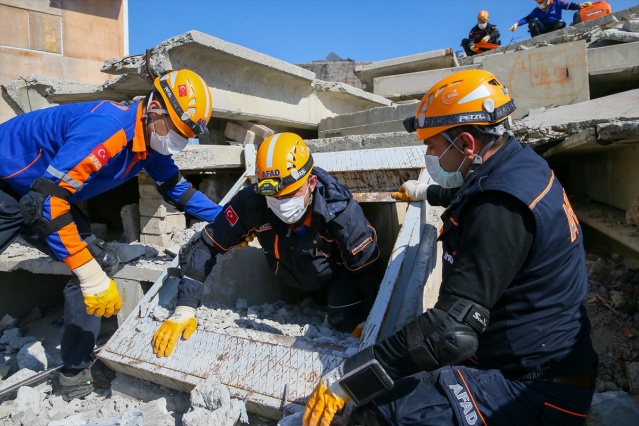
x=546, y=17
x=508, y=341
x=483, y=32
x=314, y=235
x=54, y=158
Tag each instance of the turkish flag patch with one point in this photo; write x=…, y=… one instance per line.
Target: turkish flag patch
x=100, y=156
x=231, y=216
x=181, y=90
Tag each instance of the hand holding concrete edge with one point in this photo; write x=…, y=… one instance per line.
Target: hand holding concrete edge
x=181, y=324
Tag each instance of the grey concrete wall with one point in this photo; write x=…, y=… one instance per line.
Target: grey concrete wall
x=341, y=71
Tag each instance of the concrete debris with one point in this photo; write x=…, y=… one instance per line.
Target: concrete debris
x=212, y=405
x=33, y=356
x=631, y=25
x=12, y=340
x=613, y=408
x=7, y=321
x=617, y=35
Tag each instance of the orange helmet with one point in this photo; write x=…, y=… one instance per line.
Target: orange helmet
x=482, y=17
x=466, y=97
x=283, y=164
x=188, y=99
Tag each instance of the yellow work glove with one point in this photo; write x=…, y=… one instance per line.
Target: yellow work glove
x=326, y=400
x=586, y=4
x=247, y=240
x=474, y=48
x=514, y=27
x=100, y=292
x=485, y=39
x=181, y=324
x=411, y=190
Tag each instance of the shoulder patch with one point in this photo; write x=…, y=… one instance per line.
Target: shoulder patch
x=99, y=156
x=231, y=216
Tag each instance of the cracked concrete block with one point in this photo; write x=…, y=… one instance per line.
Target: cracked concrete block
x=163, y=240
x=261, y=132
x=631, y=25
x=26, y=406
x=164, y=225
x=33, y=356
x=157, y=208
x=617, y=35
x=130, y=215
x=149, y=191
x=239, y=134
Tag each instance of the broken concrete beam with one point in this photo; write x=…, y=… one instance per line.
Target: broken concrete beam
x=614, y=34
x=612, y=69
x=260, y=131
x=385, y=119
x=158, y=226
x=157, y=208
x=557, y=124
x=292, y=98
x=210, y=157
x=347, y=143
x=442, y=58
x=239, y=134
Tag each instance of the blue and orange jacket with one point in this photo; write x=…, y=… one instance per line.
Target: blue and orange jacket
x=86, y=148
x=550, y=15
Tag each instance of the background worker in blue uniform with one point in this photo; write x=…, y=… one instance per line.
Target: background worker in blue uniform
x=483, y=32
x=53, y=158
x=546, y=17
x=508, y=341
x=313, y=233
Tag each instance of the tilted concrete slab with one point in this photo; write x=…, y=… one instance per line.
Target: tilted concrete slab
x=442, y=58
x=612, y=69
x=549, y=76
x=413, y=85
x=248, y=85
x=375, y=120
x=557, y=124
x=354, y=142
x=210, y=157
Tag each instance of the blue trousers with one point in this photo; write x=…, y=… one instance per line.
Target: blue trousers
x=456, y=395
x=80, y=329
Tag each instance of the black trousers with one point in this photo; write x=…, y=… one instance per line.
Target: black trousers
x=80, y=329
x=536, y=27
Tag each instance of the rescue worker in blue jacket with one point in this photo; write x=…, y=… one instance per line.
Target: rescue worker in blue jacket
x=54, y=158
x=483, y=32
x=546, y=17
x=313, y=233
x=508, y=340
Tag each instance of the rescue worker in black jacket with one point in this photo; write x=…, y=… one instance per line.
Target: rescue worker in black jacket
x=313, y=233
x=483, y=32
x=508, y=341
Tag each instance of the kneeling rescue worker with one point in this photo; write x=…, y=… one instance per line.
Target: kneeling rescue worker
x=314, y=235
x=508, y=341
x=54, y=158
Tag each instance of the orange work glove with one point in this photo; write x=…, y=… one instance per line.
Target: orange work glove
x=181, y=324
x=357, y=331
x=411, y=190
x=514, y=27
x=326, y=400
x=100, y=292
x=485, y=39
x=586, y=4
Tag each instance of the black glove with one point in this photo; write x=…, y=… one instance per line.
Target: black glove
x=196, y=259
x=106, y=257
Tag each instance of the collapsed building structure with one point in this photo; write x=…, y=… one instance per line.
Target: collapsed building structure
x=576, y=89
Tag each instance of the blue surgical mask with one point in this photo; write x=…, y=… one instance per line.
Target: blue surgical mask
x=438, y=174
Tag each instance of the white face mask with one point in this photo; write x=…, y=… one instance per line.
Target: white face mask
x=543, y=4
x=289, y=210
x=169, y=144
x=482, y=26
x=441, y=176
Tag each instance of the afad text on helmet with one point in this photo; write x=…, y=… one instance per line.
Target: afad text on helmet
x=449, y=95
x=270, y=174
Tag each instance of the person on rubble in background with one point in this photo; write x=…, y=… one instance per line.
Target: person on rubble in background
x=546, y=17
x=54, y=158
x=314, y=235
x=508, y=340
x=483, y=32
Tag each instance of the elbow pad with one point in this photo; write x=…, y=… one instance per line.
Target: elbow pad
x=31, y=207
x=454, y=339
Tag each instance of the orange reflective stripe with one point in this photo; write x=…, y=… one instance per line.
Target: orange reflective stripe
x=470, y=395
x=276, y=250
x=81, y=172
x=563, y=410
x=367, y=263
x=24, y=168
x=543, y=193
x=69, y=236
x=139, y=142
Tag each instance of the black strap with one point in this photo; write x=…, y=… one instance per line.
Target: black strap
x=170, y=183
x=46, y=187
x=44, y=228
x=188, y=194
x=417, y=350
x=466, y=312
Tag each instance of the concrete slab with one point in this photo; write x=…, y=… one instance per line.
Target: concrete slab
x=352, y=142
x=613, y=69
x=442, y=58
x=210, y=157
x=375, y=120
x=548, y=76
